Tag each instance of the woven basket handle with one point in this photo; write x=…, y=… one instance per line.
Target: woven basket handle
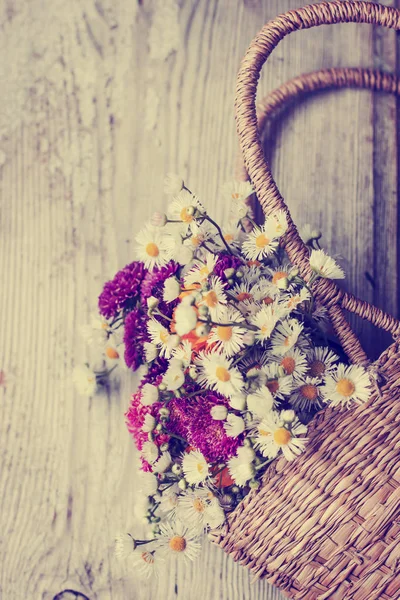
x=259, y=171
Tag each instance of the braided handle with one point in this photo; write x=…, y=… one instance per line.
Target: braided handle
x=267, y=191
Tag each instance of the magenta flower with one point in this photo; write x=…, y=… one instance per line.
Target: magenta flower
x=135, y=334
x=226, y=261
x=122, y=292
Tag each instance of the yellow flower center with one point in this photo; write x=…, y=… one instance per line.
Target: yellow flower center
x=204, y=270
x=287, y=341
x=195, y=240
x=308, y=391
x=316, y=368
x=111, y=352
x=282, y=436
x=235, y=195
x=222, y=374
x=185, y=216
x=228, y=237
x=164, y=336
x=289, y=364
x=200, y=467
x=273, y=386
x=345, y=387
x=198, y=505
x=147, y=557
x=177, y=543
x=268, y=300
x=211, y=299
x=262, y=240
x=293, y=301
x=152, y=250
x=224, y=333
x=279, y=275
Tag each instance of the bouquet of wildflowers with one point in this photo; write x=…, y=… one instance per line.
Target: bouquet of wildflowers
x=234, y=361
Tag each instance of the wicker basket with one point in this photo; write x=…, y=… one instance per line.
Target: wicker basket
x=328, y=524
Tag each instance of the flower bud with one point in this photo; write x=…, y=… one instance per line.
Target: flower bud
x=159, y=427
x=230, y=281
x=235, y=489
x=254, y=484
x=219, y=412
x=193, y=373
x=176, y=469
x=164, y=447
x=159, y=219
x=202, y=330
x=152, y=302
x=316, y=234
x=162, y=387
x=190, y=210
x=164, y=412
x=239, y=274
x=229, y=273
x=288, y=416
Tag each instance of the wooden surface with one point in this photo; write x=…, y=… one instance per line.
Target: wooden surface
x=99, y=100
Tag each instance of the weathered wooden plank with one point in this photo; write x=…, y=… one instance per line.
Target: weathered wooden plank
x=103, y=99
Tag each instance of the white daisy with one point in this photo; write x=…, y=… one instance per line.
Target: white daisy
x=321, y=360
x=233, y=234
x=160, y=337
x=195, y=467
x=200, y=509
x=185, y=318
x=214, y=296
x=228, y=336
x=172, y=289
x=277, y=223
x=184, y=353
x=292, y=301
x=169, y=501
x=279, y=385
x=145, y=562
x=184, y=207
x=280, y=275
x=275, y=435
x=260, y=243
x=177, y=249
x=178, y=541
x=261, y=402
x=236, y=192
x=347, y=384
x=96, y=332
x=149, y=452
x=124, y=545
x=265, y=320
x=325, y=266
x=201, y=270
x=286, y=336
x=217, y=373
x=294, y=363
x=149, y=394
x=198, y=235
x=264, y=291
x=173, y=184
x=234, y=425
x=308, y=395
x=84, y=379
x=241, y=466
x=152, y=247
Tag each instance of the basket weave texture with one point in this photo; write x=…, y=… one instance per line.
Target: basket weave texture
x=326, y=525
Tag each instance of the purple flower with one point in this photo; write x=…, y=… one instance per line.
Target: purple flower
x=191, y=419
x=135, y=334
x=226, y=261
x=122, y=291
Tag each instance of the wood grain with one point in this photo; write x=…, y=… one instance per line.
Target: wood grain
x=102, y=99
